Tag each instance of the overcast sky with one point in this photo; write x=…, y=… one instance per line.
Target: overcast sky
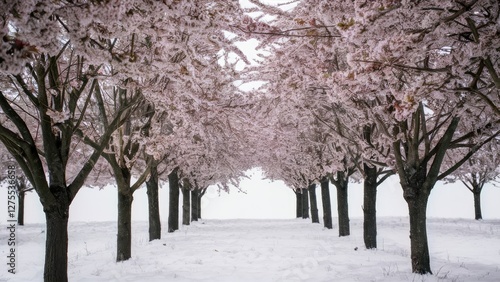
x=266, y=199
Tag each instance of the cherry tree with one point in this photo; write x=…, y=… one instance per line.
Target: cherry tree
x=124, y=155
x=54, y=56
x=482, y=168
x=58, y=90
x=297, y=149
x=413, y=81
x=46, y=72
x=419, y=69
x=55, y=131
x=208, y=145
x=187, y=53
x=295, y=80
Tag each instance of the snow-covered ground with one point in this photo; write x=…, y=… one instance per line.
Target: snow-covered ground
x=266, y=250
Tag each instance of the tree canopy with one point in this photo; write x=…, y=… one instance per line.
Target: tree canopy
x=411, y=87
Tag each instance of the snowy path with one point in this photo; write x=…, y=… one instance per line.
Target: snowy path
x=268, y=250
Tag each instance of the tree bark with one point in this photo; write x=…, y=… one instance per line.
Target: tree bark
x=199, y=205
x=418, y=234
x=314, y=203
x=369, y=207
x=21, y=193
x=417, y=179
x=20, y=211
x=56, y=244
x=475, y=184
x=124, y=237
x=477, y=204
x=416, y=191
x=327, y=206
x=173, y=214
x=305, y=203
x=194, y=205
x=200, y=195
x=186, y=211
x=298, y=197
x=153, y=205
x=341, y=184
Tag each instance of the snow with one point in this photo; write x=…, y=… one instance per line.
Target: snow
x=224, y=248
x=259, y=202
x=267, y=250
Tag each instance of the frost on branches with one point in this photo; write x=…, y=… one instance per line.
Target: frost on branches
x=425, y=73
x=65, y=59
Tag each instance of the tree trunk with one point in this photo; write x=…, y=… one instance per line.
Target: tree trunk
x=342, y=203
x=200, y=195
x=417, y=179
x=56, y=243
x=173, y=214
x=21, y=192
x=194, y=205
x=477, y=204
x=314, y=203
x=124, y=237
x=298, y=197
x=369, y=207
x=20, y=211
x=327, y=206
x=153, y=205
x=186, y=216
x=475, y=184
x=416, y=191
x=199, y=205
x=420, y=260
x=305, y=203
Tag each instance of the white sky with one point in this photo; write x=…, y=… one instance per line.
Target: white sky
x=266, y=199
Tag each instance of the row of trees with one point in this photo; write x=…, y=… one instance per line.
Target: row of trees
x=379, y=88
x=127, y=92
x=132, y=92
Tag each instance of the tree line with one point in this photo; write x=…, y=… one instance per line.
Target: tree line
x=133, y=92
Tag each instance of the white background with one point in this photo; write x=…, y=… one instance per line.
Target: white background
x=266, y=199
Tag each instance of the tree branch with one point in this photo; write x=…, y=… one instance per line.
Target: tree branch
x=466, y=157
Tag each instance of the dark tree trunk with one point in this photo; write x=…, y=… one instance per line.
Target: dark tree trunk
x=369, y=207
x=199, y=205
x=173, y=214
x=153, y=205
x=56, y=244
x=124, y=237
x=327, y=206
x=305, y=203
x=420, y=259
x=20, y=211
x=200, y=195
x=21, y=193
x=125, y=198
x=475, y=184
x=416, y=194
x=341, y=184
x=314, y=203
x=477, y=204
x=194, y=205
x=417, y=178
x=298, y=197
x=186, y=216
